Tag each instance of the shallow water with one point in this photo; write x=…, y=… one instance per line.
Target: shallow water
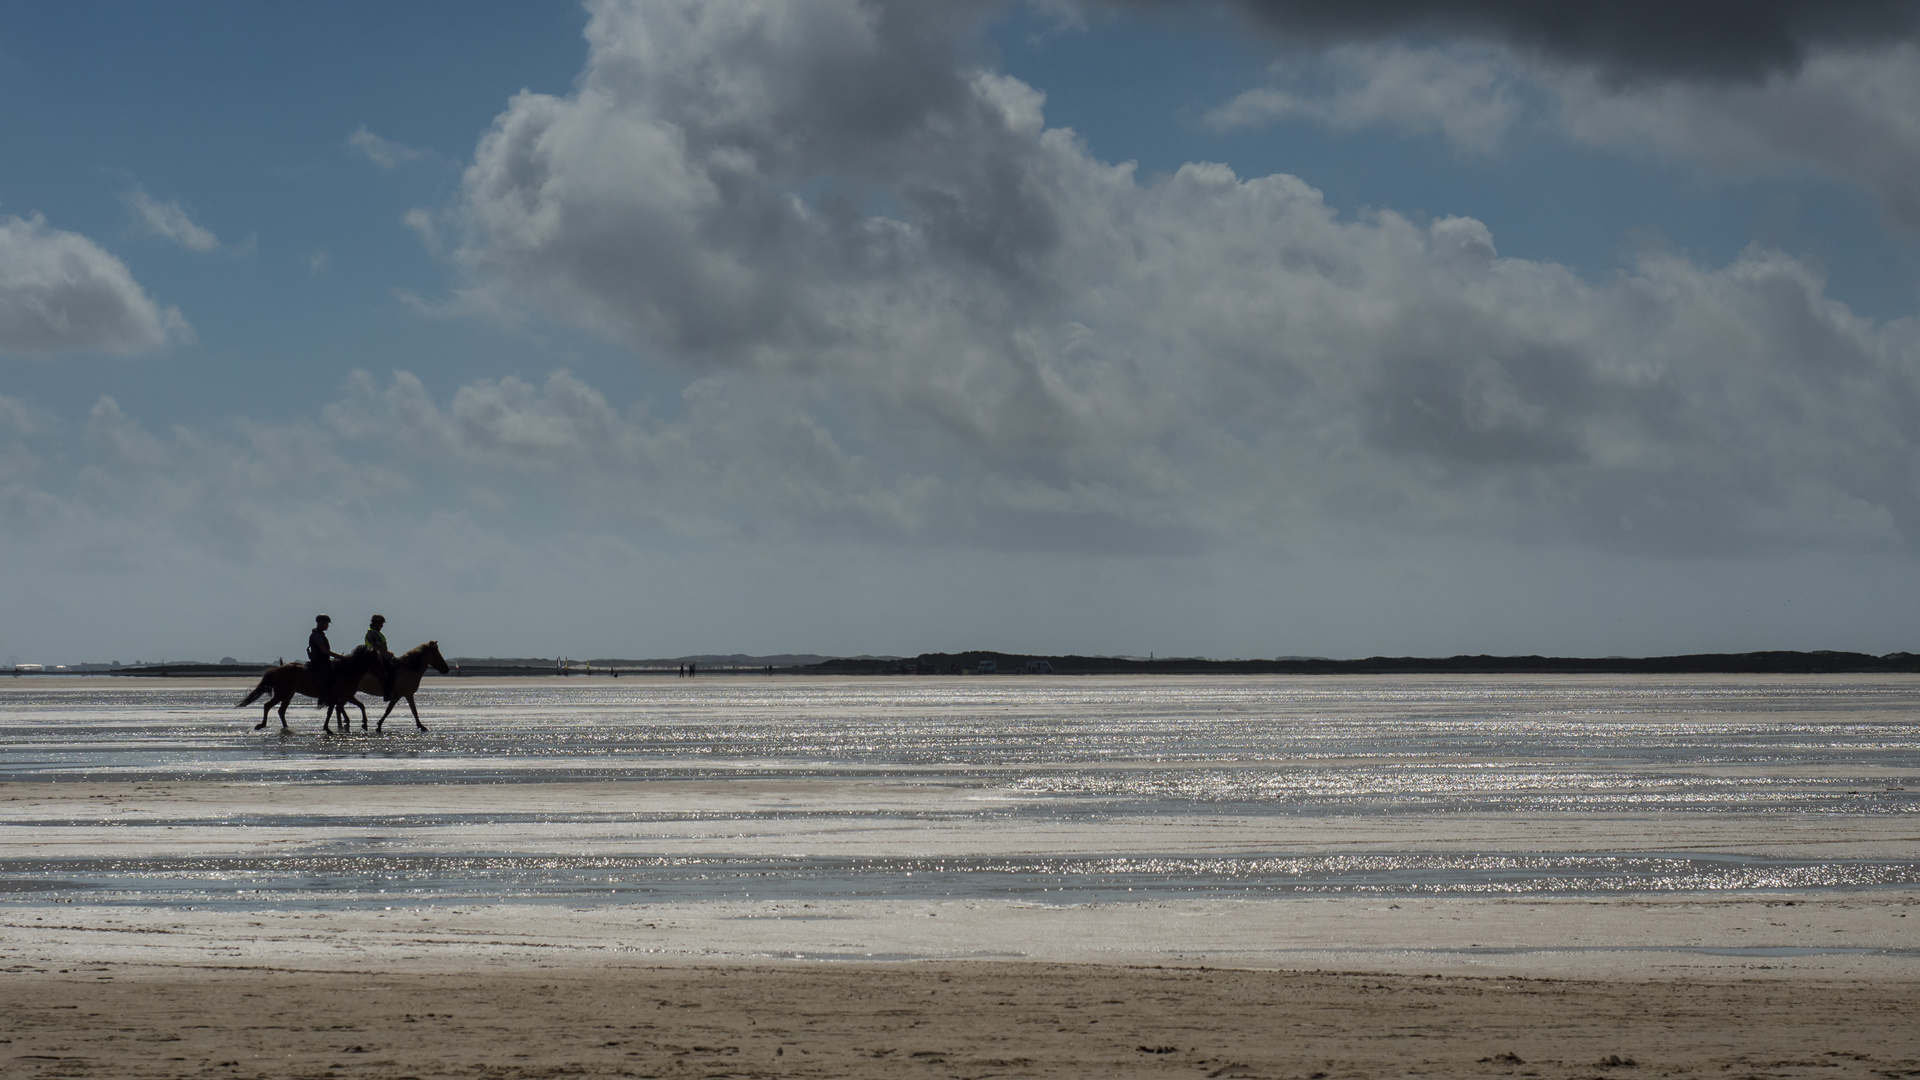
x=1015, y=753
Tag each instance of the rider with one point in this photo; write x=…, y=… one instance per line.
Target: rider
x=320, y=658
x=377, y=641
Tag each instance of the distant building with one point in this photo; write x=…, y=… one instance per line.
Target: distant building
x=1039, y=667
x=988, y=667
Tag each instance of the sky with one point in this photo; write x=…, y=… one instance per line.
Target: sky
x=1237, y=328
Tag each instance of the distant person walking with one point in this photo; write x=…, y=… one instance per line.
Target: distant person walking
x=320, y=658
x=377, y=641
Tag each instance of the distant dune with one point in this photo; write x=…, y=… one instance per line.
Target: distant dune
x=1778, y=662
x=1781, y=662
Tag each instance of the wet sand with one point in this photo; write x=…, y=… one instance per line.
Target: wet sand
x=785, y=816
x=1844, y=936
x=1782, y=982
x=1333, y=987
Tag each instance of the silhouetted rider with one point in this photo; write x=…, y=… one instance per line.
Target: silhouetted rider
x=320, y=658
x=377, y=641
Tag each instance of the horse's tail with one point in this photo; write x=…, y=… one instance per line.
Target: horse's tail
x=265, y=687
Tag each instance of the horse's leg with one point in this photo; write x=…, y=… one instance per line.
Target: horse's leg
x=416, y=714
x=266, y=710
x=362, y=708
x=284, y=702
x=383, y=716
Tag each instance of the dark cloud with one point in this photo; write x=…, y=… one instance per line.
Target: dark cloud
x=1687, y=39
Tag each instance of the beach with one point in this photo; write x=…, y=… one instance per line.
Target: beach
x=1013, y=877
x=937, y=1020
x=871, y=989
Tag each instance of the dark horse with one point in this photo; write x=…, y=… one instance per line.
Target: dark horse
x=285, y=681
x=408, y=668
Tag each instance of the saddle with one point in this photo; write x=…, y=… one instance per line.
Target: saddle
x=357, y=663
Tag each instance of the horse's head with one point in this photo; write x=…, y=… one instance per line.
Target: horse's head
x=433, y=657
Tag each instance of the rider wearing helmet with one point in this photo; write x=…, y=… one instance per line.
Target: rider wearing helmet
x=377, y=641
x=320, y=657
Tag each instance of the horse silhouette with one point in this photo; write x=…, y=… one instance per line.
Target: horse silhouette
x=350, y=676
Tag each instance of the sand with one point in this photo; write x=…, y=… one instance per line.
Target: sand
x=939, y=1020
x=1690, y=983
x=1618, y=987
x=1844, y=936
x=785, y=817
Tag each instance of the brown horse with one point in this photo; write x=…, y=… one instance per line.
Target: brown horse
x=408, y=669
x=285, y=681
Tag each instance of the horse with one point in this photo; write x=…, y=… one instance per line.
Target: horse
x=285, y=681
x=408, y=669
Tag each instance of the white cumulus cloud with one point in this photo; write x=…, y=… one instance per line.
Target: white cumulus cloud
x=61, y=292
x=873, y=259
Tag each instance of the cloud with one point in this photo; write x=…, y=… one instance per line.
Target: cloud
x=1733, y=89
x=738, y=462
x=169, y=220
x=1697, y=40
x=420, y=221
x=910, y=311
x=535, y=518
x=916, y=329
x=382, y=152
x=246, y=493
x=61, y=292
x=1846, y=113
x=21, y=425
x=1466, y=93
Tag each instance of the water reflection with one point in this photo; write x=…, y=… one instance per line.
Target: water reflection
x=1044, y=749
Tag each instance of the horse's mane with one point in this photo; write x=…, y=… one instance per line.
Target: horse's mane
x=416, y=657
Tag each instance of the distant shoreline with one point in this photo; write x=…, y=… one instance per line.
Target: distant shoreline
x=1821, y=662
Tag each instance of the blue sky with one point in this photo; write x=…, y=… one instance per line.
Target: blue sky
x=641, y=329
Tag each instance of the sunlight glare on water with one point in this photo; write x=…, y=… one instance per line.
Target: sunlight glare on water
x=1014, y=753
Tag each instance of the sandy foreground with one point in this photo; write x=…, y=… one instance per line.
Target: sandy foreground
x=1732, y=987
x=940, y=1020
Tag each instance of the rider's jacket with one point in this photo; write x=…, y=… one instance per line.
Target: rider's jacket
x=317, y=649
x=377, y=641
